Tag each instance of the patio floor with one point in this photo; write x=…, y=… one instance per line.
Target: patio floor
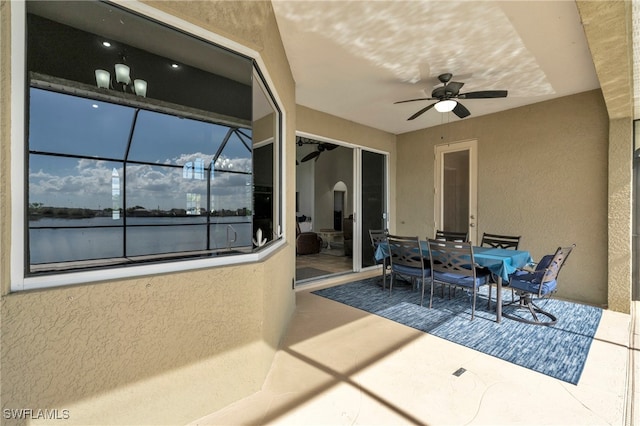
x=339, y=365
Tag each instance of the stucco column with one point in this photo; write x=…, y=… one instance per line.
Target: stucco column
x=620, y=214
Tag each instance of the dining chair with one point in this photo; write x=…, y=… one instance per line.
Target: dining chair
x=406, y=259
x=541, y=283
x=452, y=264
x=378, y=236
x=452, y=235
x=500, y=241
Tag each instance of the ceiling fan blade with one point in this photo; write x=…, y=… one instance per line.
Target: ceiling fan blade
x=483, y=94
x=461, y=111
x=310, y=156
x=422, y=111
x=413, y=100
x=454, y=87
x=329, y=146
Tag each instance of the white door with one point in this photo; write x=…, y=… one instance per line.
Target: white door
x=456, y=196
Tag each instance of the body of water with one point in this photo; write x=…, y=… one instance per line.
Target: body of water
x=63, y=240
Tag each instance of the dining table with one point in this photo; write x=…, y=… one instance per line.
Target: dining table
x=500, y=262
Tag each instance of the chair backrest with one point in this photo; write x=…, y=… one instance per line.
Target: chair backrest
x=500, y=241
x=405, y=251
x=377, y=236
x=550, y=265
x=451, y=257
x=452, y=236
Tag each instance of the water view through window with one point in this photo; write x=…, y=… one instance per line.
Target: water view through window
x=180, y=185
x=117, y=177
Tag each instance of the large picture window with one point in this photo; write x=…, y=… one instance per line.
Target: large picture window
x=145, y=144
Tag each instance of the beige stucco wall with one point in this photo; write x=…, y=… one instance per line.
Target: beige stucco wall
x=332, y=167
x=162, y=349
x=620, y=214
x=542, y=174
x=609, y=31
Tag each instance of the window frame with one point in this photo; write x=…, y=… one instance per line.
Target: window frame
x=19, y=150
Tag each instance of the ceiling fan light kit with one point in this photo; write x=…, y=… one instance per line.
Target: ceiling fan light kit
x=447, y=94
x=446, y=105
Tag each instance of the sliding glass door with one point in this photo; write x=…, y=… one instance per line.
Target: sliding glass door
x=341, y=195
x=373, y=201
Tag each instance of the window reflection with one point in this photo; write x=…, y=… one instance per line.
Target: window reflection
x=159, y=191
x=77, y=126
x=230, y=194
x=156, y=199
x=70, y=188
x=116, y=178
x=166, y=139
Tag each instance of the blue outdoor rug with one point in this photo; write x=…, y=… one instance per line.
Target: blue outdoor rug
x=559, y=351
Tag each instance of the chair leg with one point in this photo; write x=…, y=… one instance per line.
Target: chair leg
x=473, y=304
x=431, y=296
x=526, y=303
x=384, y=278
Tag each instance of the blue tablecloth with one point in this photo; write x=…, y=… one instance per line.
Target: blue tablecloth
x=501, y=262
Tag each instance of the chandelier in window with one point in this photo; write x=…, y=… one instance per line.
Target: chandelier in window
x=124, y=79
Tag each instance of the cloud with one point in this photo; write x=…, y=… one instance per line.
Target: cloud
x=88, y=184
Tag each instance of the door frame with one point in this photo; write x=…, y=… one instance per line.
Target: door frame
x=471, y=146
x=362, y=238
x=356, y=196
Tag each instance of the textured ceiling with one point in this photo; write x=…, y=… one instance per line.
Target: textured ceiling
x=354, y=59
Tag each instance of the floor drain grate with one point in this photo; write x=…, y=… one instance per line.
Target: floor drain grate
x=459, y=372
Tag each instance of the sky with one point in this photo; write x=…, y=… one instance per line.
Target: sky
x=63, y=124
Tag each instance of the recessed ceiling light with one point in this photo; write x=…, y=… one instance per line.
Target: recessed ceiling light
x=106, y=44
x=175, y=66
x=95, y=105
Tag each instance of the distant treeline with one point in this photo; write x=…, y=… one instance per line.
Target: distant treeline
x=37, y=211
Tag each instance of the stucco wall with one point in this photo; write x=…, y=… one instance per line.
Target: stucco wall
x=620, y=211
x=336, y=166
x=542, y=174
x=162, y=349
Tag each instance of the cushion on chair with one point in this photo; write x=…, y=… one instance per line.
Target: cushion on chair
x=461, y=280
x=520, y=282
x=408, y=270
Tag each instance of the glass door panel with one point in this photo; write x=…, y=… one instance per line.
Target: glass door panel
x=374, y=205
x=455, y=195
x=456, y=188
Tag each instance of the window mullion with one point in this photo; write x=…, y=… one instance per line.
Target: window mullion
x=124, y=182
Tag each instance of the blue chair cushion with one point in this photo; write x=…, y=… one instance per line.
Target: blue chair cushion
x=408, y=270
x=461, y=280
x=530, y=282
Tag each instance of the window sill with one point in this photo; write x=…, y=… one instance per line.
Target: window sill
x=132, y=271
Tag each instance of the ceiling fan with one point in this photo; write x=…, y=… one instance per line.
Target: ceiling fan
x=321, y=147
x=447, y=95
